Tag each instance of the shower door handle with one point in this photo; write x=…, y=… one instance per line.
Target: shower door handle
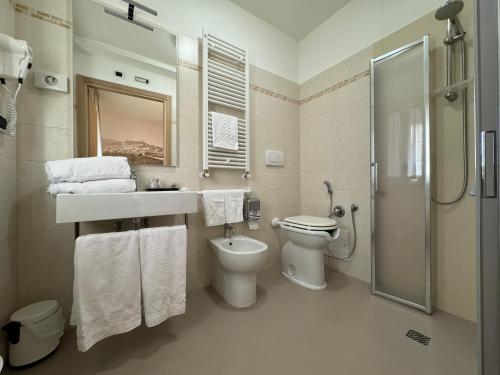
x=488, y=164
x=375, y=176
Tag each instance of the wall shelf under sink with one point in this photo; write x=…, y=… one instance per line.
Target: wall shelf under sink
x=72, y=208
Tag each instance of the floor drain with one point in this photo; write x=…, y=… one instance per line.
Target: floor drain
x=418, y=337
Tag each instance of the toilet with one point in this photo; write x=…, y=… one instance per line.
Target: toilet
x=237, y=260
x=302, y=256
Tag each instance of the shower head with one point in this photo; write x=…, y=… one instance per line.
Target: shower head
x=448, y=12
x=328, y=187
x=449, y=9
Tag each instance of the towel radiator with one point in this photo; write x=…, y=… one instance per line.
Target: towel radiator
x=225, y=90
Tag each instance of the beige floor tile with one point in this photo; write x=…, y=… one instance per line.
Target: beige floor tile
x=291, y=330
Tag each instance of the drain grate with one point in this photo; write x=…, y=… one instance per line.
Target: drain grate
x=418, y=337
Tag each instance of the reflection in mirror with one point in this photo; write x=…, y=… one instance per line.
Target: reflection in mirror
x=126, y=88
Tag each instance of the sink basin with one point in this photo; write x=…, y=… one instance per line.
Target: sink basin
x=73, y=208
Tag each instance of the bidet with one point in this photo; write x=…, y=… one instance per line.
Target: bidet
x=237, y=260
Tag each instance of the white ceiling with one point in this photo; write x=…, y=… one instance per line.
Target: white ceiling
x=296, y=18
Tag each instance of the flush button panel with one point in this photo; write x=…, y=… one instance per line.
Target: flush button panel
x=275, y=158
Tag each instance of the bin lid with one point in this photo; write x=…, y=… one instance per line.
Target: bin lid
x=35, y=312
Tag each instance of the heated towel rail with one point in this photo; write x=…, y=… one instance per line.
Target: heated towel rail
x=225, y=89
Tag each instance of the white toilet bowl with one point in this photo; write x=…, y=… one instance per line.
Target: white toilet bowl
x=302, y=256
x=235, y=268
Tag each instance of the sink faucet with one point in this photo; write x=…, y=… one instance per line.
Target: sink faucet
x=228, y=230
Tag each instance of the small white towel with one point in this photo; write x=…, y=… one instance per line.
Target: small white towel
x=234, y=205
x=93, y=187
x=107, y=286
x=163, y=272
x=87, y=169
x=214, y=207
x=225, y=131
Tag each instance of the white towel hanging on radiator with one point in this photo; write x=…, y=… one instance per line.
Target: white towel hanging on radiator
x=224, y=131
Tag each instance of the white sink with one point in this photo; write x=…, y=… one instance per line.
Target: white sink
x=73, y=208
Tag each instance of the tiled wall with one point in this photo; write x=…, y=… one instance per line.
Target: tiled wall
x=45, y=132
x=8, y=197
x=335, y=145
x=274, y=118
x=330, y=127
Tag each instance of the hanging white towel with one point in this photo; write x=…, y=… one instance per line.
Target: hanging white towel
x=163, y=272
x=224, y=131
x=87, y=169
x=234, y=205
x=214, y=207
x=92, y=187
x=394, y=146
x=107, y=286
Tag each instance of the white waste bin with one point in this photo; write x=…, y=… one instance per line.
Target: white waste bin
x=34, y=332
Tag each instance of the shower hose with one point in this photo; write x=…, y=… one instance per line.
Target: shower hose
x=464, y=135
x=354, y=208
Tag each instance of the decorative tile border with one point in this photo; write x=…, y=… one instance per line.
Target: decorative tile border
x=43, y=16
x=196, y=67
x=188, y=65
x=262, y=90
x=336, y=86
x=274, y=94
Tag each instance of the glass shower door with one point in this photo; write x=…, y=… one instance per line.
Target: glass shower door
x=401, y=175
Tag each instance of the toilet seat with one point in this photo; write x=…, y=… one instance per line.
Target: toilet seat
x=310, y=223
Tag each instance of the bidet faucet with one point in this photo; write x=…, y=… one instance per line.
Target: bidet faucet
x=228, y=230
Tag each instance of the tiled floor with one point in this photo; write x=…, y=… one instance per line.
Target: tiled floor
x=342, y=330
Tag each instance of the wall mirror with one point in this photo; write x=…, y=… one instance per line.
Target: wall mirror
x=126, y=88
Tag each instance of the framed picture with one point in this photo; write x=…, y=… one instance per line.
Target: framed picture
x=118, y=120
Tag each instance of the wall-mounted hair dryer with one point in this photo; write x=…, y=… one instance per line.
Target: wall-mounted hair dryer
x=15, y=61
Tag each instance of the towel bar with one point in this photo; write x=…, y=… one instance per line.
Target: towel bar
x=226, y=85
x=136, y=223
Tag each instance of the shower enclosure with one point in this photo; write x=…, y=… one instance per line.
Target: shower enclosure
x=400, y=175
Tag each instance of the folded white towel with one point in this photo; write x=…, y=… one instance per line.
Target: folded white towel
x=234, y=205
x=87, y=169
x=107, y=286
x=163, y=272
x=214, y=207
x=225, y=131
x=93, y=187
